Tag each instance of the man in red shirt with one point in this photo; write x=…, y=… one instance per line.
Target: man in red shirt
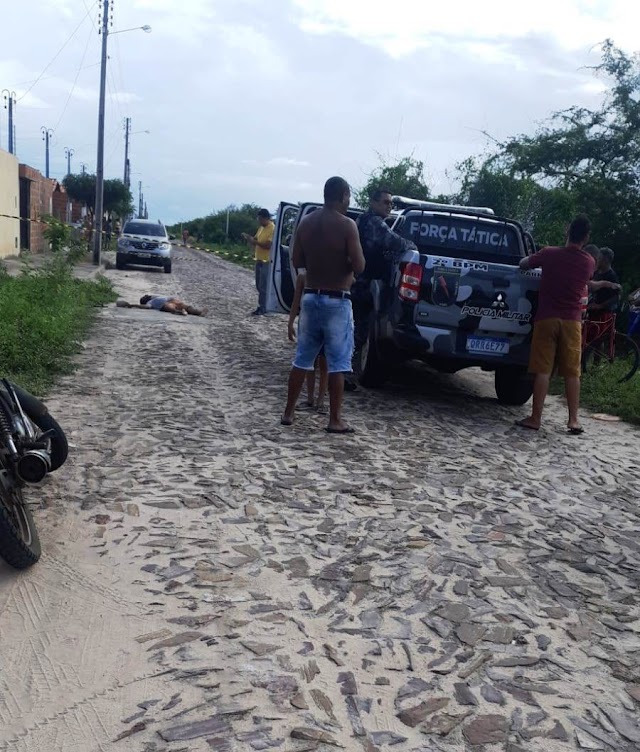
x=557, y=330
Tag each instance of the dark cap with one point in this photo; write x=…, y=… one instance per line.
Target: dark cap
x=264, y=214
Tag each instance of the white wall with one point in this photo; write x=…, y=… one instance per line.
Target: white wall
x=9, y=204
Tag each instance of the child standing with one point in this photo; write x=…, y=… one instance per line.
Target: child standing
x=320, y=365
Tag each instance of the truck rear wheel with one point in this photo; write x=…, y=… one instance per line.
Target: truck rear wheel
x=370, y=368
x=514, y=386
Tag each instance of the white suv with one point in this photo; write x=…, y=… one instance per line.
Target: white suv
x=145, y=243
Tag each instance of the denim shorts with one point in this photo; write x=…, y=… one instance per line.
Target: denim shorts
x=325, y=323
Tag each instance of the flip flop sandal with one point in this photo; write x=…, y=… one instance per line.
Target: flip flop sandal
x=575, y=431
x=286, y=422
x=340, y=430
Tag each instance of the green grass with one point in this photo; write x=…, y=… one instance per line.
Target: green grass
x=601, y=393
x=44, y=316
x=240, y=254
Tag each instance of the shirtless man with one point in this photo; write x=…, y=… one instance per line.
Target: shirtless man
x=328, y=247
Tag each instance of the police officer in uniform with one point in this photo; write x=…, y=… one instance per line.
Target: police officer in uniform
x=382, y=247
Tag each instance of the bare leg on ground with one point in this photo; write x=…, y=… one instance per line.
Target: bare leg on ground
x=336, y=392
x=296, y=381
x=311, y=387
x=324, y=382
x=540, y=389
x=572, y=391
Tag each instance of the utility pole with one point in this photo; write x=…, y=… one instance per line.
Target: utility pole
x=97, y=248
x=83, y=167
x=127, y=166
x=146, y=213
x=68, y=153
x=140, y=199
x=10, y=103
x=46, y=137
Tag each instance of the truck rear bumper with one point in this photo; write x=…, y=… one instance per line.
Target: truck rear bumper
x=449, y=349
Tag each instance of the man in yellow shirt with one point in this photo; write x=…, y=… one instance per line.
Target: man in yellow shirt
x=261, y=242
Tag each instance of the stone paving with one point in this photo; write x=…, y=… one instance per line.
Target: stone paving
x=441, y=580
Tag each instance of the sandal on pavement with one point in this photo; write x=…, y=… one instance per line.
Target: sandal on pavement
x=340, y=430
x=575, y=431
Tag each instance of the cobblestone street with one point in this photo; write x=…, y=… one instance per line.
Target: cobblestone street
x=440, y=580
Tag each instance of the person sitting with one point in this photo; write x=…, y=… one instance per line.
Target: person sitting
x=167, y=304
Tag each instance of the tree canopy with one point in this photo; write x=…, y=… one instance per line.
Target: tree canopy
x=212, y=228
x=117, y=198
x=581, y=160
x=404, y=178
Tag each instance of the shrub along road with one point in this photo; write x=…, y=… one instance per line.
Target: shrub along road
x=212, y=580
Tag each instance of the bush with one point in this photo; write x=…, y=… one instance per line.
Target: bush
x=58, y=233
x=45, y=314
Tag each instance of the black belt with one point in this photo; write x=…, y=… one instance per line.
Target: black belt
x=329, y=293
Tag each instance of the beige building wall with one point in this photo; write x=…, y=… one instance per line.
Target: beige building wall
x=9, y=204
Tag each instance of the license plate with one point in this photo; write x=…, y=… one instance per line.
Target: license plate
x=488, y=345
x=143, y=255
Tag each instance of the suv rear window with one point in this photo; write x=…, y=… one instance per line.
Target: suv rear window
x=463, y=237
x=142, y=228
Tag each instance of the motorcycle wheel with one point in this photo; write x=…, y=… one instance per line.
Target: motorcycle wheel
x=59, y=445
x=19, y=541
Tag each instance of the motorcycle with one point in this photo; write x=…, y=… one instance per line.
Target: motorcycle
x=32, y=445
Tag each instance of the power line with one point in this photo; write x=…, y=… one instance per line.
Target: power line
x=75, y=80
x=55, y=57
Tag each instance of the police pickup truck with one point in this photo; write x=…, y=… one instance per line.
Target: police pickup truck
x=458, y=301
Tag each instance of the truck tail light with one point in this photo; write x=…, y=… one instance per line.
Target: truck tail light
x=410, y=283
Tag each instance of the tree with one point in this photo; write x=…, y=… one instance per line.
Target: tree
x=403, y=178
x=117, y=197
x=594, y=156
x=542, y=211
x=213, y=227
x=81, y=188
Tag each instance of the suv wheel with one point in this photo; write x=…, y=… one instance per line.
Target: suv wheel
x=370, y=368
x=514, y=386
x=167, y=268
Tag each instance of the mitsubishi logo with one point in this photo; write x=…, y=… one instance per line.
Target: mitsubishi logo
x=500, y=303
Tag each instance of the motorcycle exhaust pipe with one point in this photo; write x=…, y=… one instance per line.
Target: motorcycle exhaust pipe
x=32, y=466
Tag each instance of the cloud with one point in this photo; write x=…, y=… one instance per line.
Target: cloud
x=278, y=162
x=415, y=24
x=259, y=102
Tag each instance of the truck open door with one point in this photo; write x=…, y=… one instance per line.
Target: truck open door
x=281, y=285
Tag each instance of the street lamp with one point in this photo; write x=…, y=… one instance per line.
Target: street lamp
x=97, y=248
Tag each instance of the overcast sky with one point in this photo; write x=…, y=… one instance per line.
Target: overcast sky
x=260, y=101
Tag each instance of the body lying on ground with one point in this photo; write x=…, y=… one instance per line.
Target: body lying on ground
x=168, y=304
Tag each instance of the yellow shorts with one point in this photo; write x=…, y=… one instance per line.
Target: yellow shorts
x=556, y=342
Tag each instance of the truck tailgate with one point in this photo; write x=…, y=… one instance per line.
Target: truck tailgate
x=490, y=306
